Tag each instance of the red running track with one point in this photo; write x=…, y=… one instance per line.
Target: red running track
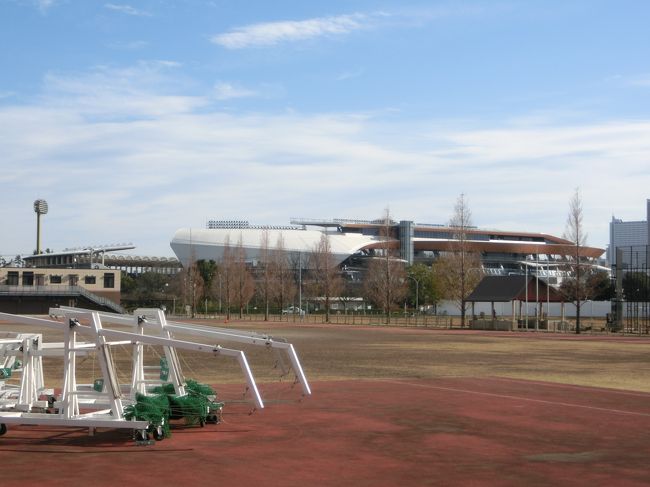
x=454, y=431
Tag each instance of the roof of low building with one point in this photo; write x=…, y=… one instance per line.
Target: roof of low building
x=511, y=288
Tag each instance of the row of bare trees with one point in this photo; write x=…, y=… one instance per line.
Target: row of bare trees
x=275, y=279
x=460, y=270
x=233, y=282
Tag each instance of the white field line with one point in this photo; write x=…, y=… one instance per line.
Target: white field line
x=573, y=386
x=516, y=398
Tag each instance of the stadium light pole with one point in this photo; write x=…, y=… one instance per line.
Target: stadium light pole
x=40, y=207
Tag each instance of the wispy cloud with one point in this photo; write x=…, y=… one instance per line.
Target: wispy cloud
x=179, y=160
x=272, y=33
x=142, y=91
x=355, y=73
x=640, y=80
x=44, y=5
x=130, y=45
x=227, y=91
x=127, y=9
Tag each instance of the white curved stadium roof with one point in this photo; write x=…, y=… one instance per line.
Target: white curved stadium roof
x=197, y=244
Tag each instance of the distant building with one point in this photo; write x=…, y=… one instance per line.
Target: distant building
x=84, y=277
x=353, y=241
x=100, y=258
x=33, y=290
x=628, y=235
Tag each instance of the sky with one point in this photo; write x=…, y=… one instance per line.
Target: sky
x=135, y=119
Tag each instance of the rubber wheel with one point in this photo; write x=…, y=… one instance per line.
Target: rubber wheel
x=212, y=419
x=3, y=429
x=141, y=435
x=202, y=422
x=158, y=433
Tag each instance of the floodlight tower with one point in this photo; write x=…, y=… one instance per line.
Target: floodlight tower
x=40, y=207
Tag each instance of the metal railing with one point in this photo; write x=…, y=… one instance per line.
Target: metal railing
x=61, y=291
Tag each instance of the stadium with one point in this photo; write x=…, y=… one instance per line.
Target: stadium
x=352, y=241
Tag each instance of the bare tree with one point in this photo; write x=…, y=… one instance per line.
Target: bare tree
x=283, y=289
x=243, y=280
x=190, y=283
x=575, y=233
x=325, y=277
x=226, y=270
x=385, y=280
x=459, y=270
x=265, y=274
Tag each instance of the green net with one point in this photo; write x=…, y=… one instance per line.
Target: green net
x=197, y=388
x=192, y=409
x=98, y=385
x=154, y=409
x=164, y=389
x=195, y=407
x=164, y=369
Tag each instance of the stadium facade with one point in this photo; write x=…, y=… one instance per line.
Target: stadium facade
x=353, y=241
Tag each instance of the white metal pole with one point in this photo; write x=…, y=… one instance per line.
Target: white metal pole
x=526, y=321
x=536, y=292
x=300, y=285
x=548, y=297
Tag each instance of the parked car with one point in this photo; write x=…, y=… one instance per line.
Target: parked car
x=293, y=310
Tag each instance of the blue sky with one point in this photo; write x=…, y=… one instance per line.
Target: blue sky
x=133, y=119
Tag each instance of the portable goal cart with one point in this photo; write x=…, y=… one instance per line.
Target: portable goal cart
x=154, y=321
x=21, y=372
x=89, y=325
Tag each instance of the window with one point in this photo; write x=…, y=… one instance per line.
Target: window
x=55, y=279
x=12, y=278
x=109, y=280
x=28, y=278
x=90, y=280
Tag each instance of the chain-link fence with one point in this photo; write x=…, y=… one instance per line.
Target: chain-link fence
x=631, y=305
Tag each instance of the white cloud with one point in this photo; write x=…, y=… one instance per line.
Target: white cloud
x=44, y=5
x=272, y=33
x=640, y=80
x=126, y=9
x=141, y=91
x=129, y=45
x=128, y=155
x=227, y=91
x=355, y=73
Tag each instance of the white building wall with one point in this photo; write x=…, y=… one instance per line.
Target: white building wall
x=589, y=308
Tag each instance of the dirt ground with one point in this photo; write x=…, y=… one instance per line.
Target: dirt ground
x=346, y=352
x=390, y=406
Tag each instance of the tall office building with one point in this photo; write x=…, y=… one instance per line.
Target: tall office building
x=627, y=234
